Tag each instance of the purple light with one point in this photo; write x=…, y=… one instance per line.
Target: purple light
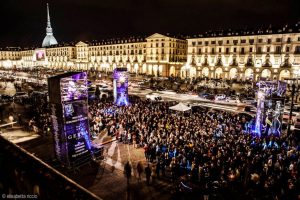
x=121, y=86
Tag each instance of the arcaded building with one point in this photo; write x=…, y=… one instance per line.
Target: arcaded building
x=272, y=53
x=158, y=55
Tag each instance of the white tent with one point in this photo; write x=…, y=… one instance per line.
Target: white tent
x=180, y=107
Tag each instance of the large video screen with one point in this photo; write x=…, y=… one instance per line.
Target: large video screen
x=76, y=128
x=270, y=107
x=121, y=86
x=40, y=55
x=272, y=118
x=74, y=87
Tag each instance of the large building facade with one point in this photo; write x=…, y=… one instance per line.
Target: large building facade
x=157, y=55
x=270, y=54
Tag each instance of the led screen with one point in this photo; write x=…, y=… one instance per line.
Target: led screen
x=40, y=55
x=74, y=87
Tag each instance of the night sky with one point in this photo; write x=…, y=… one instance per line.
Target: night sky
x=23, y=22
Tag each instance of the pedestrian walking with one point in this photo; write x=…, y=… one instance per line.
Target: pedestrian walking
x=148, y=174
x=11, y=119
x=139, y=170
x=127, y=170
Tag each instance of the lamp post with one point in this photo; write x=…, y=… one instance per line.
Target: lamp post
x=293, y=87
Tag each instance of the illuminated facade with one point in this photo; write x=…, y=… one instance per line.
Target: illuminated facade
x=157, y=55
x=247, y=55
x=270, y=54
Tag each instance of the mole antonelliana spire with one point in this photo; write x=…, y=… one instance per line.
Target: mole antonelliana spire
x=49, y=39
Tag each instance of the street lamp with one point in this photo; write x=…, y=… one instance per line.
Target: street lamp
x=294, y=87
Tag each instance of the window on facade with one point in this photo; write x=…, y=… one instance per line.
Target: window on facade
x=235, y=42
x=199, y=43
x=213, y=50
x=213, y=42
x=251, y=49
x=220, y=42
x=259, y=50
x=242, y=50
x=297, y=49
x=269, y=41
x=287, y=49
x=220, y=50
x=260, y=40
x=251, y=41
x=234, y=50
x=268, y=49
x=156, y=44
x=227, y=41
x=206, y=43
x=193, y=43
x=298, y=39
x=278, y=39
x=162, y=51
x=227, y=50
x=278, y=49
x=199, y=51
x=162, y=44
x=288, y=40
x=243, y=41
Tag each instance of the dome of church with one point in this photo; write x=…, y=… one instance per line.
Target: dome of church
x=49, y=40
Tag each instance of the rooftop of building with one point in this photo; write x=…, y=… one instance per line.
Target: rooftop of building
x=263, y=30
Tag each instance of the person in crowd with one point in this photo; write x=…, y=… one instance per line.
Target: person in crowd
x=139, y=169
x=211, y=146
x=148, y=174
x=127, y=170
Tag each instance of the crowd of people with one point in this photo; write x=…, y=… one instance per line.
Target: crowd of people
x=212, y=148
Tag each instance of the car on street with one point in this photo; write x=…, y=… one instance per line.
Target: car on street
x=204, y=95
x=5, y=98
x=220, y=97
x=104, y=87
x=20, y=95
x=153, y=97
x=232, y=99
x=249, y=100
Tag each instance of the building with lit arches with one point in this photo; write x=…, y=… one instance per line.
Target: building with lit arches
x=273, y=54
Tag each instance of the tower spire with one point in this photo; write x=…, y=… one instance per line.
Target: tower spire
x=48, y=28
x=49, y=39
x=48, y=17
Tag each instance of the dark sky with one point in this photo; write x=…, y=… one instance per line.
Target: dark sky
x=23, y=22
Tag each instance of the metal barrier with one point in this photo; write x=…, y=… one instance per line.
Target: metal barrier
x=23, y=173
